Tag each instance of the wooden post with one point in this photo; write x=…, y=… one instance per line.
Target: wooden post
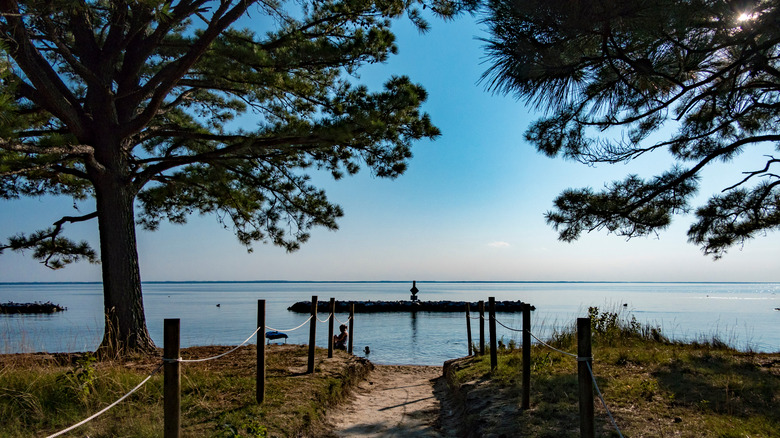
x=171, y=379
x=583, y=376
x=526, y=397
x=260, y=393
x=493, y=343
x=468, y=328
x=481, y=307
x=330, y=326
x=312, y=333
x=351, y=336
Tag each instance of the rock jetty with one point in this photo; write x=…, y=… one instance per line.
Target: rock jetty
x=405, y=306
x=36, y=307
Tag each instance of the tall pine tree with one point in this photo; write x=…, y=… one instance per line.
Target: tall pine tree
x=133, y=104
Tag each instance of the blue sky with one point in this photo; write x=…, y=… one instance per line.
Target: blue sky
x=470, y=207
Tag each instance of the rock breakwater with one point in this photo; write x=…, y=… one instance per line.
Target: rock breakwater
x=405, y=306
x=36, y=307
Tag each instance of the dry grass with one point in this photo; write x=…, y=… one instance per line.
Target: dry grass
x=43, y=393
x=654, y=388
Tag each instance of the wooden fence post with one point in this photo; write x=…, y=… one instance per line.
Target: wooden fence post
x=330, y=326
x=312, y=333
x=481, y=307
x=468, y=328
x=583, y=376
x=171, y=379
x=526, y=398
x=351, y=335
x=493, y=343
x=260, y=385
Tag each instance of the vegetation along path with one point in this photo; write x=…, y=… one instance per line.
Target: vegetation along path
x=396, y=401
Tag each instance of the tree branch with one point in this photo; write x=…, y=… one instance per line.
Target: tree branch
x=754, y=173
x=78, y=149
x=695, y=169
x=54, y=250
x=58, y=99
x=168, y=77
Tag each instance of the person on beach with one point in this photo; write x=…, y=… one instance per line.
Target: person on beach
x=340, y=340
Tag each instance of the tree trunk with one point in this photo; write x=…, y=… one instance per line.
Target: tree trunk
x=125, y=325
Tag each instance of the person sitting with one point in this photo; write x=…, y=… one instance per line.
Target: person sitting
x=340, y=340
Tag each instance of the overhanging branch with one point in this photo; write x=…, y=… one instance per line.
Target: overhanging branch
x=54, y=250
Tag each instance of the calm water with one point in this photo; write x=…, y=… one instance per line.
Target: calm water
x=741, y=314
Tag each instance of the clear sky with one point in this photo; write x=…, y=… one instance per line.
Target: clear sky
x=470, y=207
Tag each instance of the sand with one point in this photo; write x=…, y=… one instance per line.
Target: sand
x=396, y=401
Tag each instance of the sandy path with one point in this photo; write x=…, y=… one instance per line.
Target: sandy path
x=394, y=401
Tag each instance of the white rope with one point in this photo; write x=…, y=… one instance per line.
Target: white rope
x=340, y=321
x=509, y=328
x=107, y=407
x=326, y=319
x=292, y=329
x=590, y=370
x=223, y=354
x=551, y=347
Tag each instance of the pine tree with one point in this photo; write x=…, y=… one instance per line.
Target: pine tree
x=134, y=104
x=615, y=75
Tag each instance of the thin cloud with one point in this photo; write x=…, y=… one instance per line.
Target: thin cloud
x=499, y=244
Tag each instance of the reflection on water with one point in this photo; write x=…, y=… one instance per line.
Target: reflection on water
x=414, y=327
x=741, y=314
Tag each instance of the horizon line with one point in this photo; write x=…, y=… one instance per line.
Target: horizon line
x=398, y=281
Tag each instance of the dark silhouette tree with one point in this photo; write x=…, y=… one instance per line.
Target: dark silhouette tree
x=624, y=78
x=134, y=104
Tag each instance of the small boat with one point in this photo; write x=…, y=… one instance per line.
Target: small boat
x=36, y=307
x=276, y=335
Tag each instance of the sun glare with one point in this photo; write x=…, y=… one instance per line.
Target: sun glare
x=745, y=17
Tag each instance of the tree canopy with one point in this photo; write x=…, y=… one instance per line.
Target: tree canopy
x=157, y=109
x=619, y=79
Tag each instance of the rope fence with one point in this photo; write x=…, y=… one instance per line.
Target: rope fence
x=179, y=360
x=598, y=391
x=551, y=347
x=292, y=329
x=104, y=410
x=170, y=360
x=592, y=376
x=340, y=321
x=225, y=353
x=507, y=327
x=587, y=361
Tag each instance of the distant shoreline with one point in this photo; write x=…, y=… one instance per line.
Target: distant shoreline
x=398, y=282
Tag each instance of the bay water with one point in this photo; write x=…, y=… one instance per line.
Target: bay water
x=743, y=315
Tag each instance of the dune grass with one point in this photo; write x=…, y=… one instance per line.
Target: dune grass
x=42, y=394
x=653, y=387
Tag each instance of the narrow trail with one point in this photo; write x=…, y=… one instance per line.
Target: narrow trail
x=395, y=401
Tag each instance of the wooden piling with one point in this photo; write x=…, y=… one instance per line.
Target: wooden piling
x=526, y=396
x=171, y=379
x=584, y=379
x=481, y=308
x=330, y=326
x=312, y=334
x=493, y=341
x=260, y=385
x=351, y=336
x=468, y=328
